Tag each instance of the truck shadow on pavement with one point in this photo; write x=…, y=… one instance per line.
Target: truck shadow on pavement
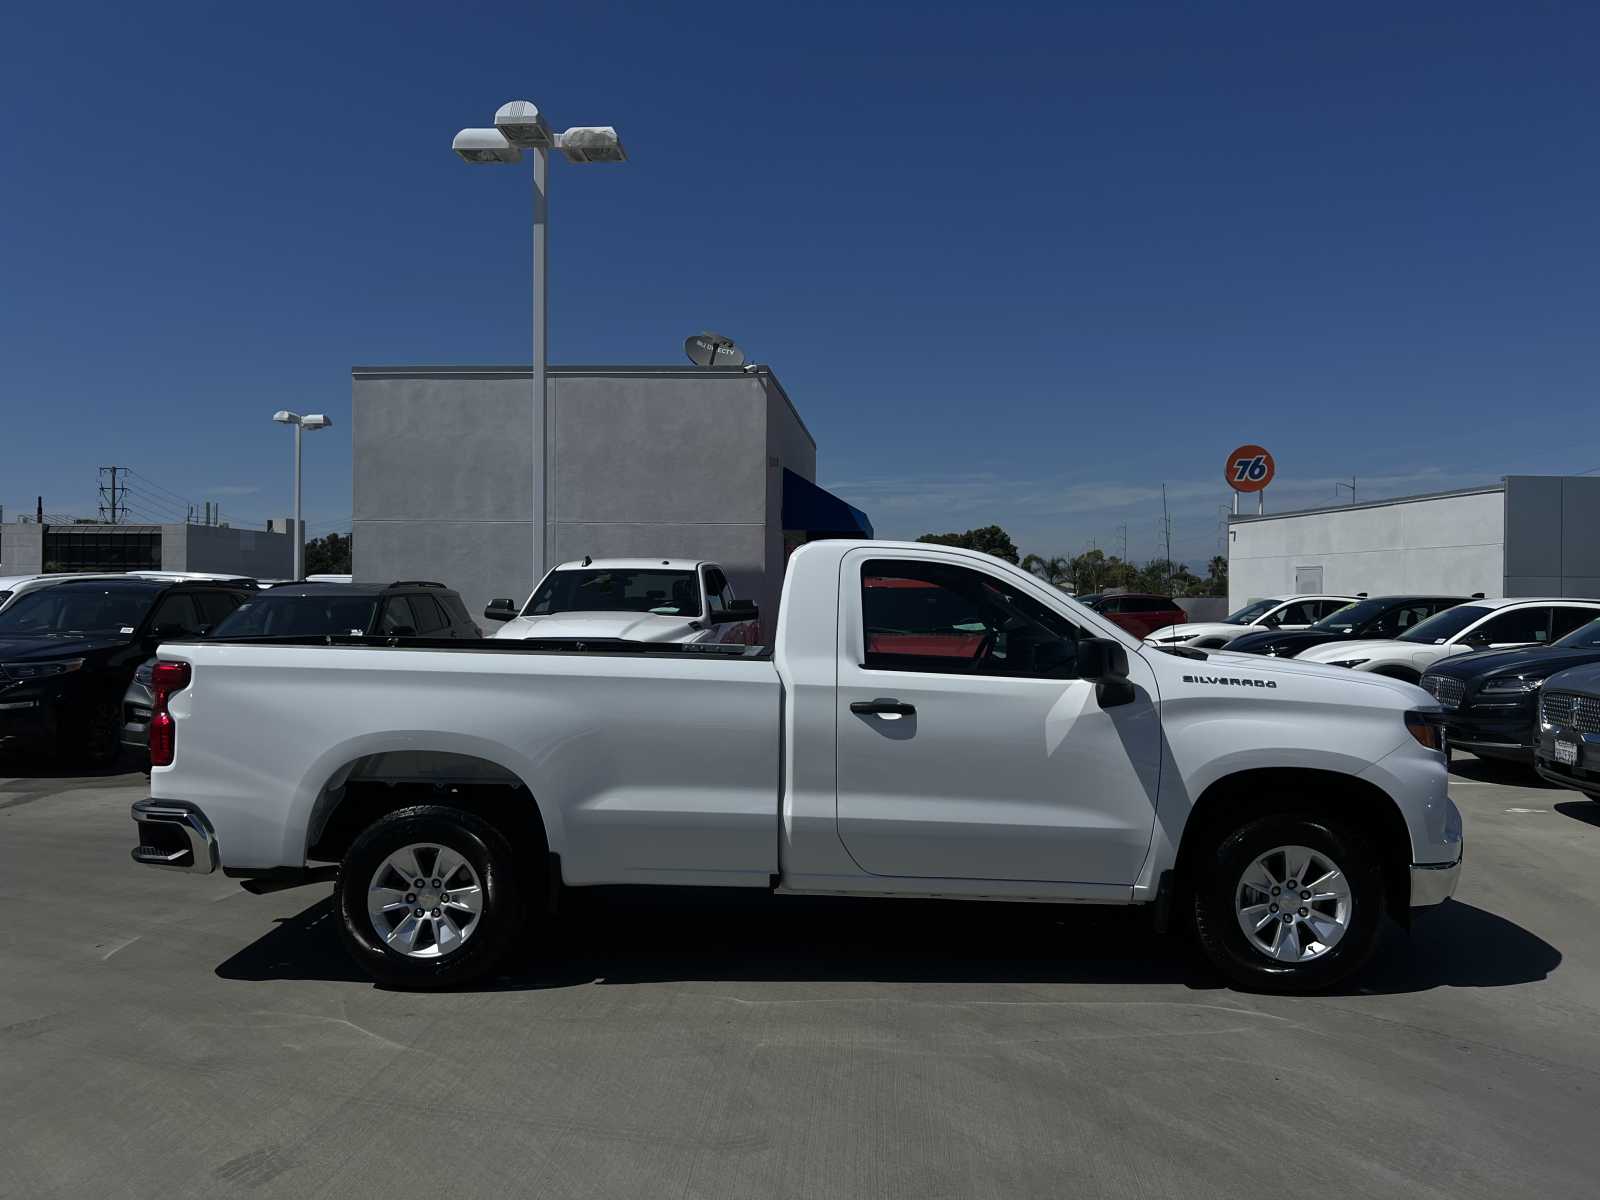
x=637, y=936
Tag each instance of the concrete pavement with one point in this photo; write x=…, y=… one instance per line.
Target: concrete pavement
x=164, y=1036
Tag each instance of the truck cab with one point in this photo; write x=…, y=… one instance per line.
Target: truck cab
x=631, y=599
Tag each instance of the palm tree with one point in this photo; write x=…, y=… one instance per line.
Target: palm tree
x=1056, y=570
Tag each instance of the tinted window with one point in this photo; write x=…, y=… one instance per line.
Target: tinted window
x=282, y=615
x=1352, y=616
x=1515, y=628
x=1111, y=604
x=935, y=617
x=216, y=607
x=397, y=616
x=1585, y=637
x=1250, y=613
x=1438, y=629
x=430, y=617
x=1324, y=607
x=457, y=612
x=1567, y=619
x=669, y=593
x=79, y=608
x=718, y=589
x=1305, y=612
x=179, y=611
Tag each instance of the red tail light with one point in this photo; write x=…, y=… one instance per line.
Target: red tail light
x=165, y=679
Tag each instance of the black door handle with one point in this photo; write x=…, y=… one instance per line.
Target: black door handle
x=883, y=708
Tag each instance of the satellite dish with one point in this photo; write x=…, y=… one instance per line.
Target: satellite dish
x=712, y=350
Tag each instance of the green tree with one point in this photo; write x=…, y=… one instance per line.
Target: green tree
x=991, y=539
x=1056, y=571
x=328, y=555
x=1217, y=576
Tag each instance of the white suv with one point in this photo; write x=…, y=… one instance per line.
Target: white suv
x=1274, y=612
x=1480, y=625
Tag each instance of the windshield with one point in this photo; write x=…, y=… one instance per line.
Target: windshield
x=1584, y=637
x=643, y=590
x=298, y=616
x=1440, y=628
x=1250, y=613
x=1345, y=619
x=67, y=608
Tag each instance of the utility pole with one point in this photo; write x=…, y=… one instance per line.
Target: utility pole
x=1166, y=538
x=113, y=496
x=1351, y=485
x=1122, y=532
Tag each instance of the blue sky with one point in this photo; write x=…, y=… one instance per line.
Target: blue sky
x=1014, y=264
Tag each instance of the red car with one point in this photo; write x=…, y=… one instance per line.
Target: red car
x=1140, y=613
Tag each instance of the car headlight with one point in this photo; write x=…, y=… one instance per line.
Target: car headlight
x=1349, y=662
x=20, y=671
x=1513, y=685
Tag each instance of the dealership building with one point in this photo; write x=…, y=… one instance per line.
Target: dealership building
x=1529, y=535
x=670, y=462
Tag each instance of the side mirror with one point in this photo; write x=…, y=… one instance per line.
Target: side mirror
x=503, y=609
x=1104, y=663
x=739, y=610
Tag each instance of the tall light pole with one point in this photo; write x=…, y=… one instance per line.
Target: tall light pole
x=519, y=126
x=311, y=421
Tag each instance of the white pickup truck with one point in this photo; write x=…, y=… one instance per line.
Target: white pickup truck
x=930, y=722
x=631, y=599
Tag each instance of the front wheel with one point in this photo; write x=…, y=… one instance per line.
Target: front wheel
x=1289, y=903
x=428, y=898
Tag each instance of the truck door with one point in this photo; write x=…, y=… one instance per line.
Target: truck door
x=967, y=747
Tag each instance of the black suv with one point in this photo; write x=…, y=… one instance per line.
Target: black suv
x=68, y=651
x=1377, y=617
x=409, y=608
x=1491, y=698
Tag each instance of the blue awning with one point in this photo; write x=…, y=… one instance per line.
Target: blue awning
x=818, y=512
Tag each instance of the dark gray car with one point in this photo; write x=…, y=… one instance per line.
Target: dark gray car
x=1567, y=746
x=407, y=608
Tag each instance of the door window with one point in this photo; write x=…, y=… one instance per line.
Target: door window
x=1402, y=619
x=923, y=616
x=177, y=611
x=397, y=615
x=718, y=591
x=1305, y=612
x=215, y=606
x=430, y=617
x=1515, y=628
x=1568, y=618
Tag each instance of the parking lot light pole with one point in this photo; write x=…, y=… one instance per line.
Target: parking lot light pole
x=311, y=421
x=519, y=126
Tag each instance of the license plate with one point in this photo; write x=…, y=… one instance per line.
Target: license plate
x=1567, y=753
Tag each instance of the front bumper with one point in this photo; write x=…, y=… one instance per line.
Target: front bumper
x=1501, y=731
x=175, y=836
x=1433, y=883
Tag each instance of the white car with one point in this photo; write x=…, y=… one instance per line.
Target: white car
x=1274, y=612
x=631, y=599
x=930, y=721
x=1478, y=625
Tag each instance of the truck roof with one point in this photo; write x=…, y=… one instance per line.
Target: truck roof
x=631, y=564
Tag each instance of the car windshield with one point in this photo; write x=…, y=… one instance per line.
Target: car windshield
x=298, y=616
x=1251, y=613
x=1441, y=627
x=640, y=590
x=113, y=608
x=1584, y=637
x=1345, y=619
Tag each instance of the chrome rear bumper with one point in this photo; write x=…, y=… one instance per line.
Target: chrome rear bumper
x=175, y=836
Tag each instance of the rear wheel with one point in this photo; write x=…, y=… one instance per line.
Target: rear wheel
x=90, y=734
x=428, y=898
x=1289, y=903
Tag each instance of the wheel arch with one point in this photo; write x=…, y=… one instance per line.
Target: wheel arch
x=361, y=781
x=1243, y=795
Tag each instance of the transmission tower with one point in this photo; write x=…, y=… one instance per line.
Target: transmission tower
x=113, y=495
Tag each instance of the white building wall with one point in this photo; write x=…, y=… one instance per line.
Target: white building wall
x=1452, y=545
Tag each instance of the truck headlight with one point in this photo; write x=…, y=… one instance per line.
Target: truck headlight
x=1349, y=662
x=20, y=671
x=1512, y=685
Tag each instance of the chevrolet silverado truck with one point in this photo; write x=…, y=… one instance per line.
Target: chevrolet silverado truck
x=929, y=722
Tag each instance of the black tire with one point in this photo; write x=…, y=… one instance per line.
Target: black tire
x=498, y=925
x=1217, y=879
x=90, y=734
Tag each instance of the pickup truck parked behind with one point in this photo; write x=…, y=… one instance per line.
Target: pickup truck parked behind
x=931, y=722
x=631, y=599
